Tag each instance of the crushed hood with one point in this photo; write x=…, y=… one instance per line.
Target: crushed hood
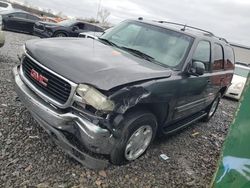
x=92, y=62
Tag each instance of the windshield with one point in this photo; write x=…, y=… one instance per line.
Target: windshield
x=67, y=23
x=241, y=72
x=165, y=46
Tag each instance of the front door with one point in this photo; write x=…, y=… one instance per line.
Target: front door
x=193, y=90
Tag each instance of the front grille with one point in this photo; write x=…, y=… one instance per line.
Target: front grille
x=57, y=88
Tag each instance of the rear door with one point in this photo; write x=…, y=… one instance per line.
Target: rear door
x=191, y=97
x=30, y=22
x=218, y=76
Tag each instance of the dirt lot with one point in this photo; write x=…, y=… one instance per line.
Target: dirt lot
x=28, y=158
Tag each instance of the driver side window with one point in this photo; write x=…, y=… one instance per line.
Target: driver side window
x=203, y=54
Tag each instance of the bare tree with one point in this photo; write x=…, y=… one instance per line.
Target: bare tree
x=103, y=15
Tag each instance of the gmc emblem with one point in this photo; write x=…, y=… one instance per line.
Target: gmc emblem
x=38, y=77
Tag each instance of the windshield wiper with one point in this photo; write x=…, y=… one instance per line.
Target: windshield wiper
x=142, y=55
x=107, y=41
x=139, y=53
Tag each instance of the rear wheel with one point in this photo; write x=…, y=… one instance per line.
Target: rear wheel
x=212, y=108
x=137, y=132
x=60, y=34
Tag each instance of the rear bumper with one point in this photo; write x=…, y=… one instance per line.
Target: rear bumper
x=89, y=139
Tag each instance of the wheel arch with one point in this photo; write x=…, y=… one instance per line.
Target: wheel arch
x=159, y=110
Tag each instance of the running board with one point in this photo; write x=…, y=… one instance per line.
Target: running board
x=180, y=125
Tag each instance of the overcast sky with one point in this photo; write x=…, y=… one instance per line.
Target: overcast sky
x=226, y=18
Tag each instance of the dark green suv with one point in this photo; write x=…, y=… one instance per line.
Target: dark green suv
x=104, y=99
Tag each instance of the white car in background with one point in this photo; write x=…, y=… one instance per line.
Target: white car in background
x=238, y=82
x=5, y=6
x=93, y=35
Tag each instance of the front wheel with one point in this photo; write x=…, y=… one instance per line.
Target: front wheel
x=137, y=132
x=212, y=108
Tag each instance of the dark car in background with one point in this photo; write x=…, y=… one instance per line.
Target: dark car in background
x=19, y=21
x=66, y=28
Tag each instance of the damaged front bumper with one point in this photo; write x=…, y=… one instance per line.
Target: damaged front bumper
x=80, y=138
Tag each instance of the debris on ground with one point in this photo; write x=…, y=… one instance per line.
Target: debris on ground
x=164, y=157
x=195, y=134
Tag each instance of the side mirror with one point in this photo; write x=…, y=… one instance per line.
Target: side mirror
x=75, y=28
x=10, y=16
x=197, y=68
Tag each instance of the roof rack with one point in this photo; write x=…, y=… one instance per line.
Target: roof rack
x=223, y=39
x=196, y=28
x=188, y=26
x=185, y=26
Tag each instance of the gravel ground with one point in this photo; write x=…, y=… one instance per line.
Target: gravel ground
x=28, y=158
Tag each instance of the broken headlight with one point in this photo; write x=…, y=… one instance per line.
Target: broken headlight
x=95, y=98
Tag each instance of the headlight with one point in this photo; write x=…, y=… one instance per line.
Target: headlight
x=96, y=99
x=21, y=52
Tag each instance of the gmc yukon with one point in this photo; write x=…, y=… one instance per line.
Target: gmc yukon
x=105, y=99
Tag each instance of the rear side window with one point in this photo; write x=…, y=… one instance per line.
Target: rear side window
x=218, y=57
x=81, y=26
x=88, y=27
x=91, y=27
x=34, y=18
x=203, y=53
x=98, y=29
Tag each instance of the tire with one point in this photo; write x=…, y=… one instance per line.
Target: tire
x=212, y=108
x=60, y=34
x=134, y=126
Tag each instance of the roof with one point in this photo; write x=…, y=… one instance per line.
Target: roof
x=183, y=28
